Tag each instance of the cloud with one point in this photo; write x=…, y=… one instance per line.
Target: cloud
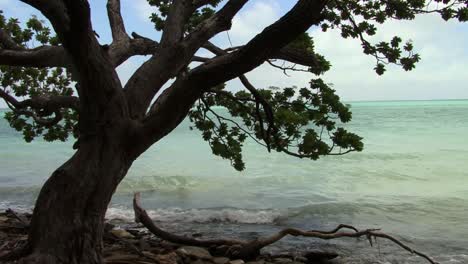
x=143, y=9
x=17, y=9
x=252, y=20
x=443, y=56
x=440, y=74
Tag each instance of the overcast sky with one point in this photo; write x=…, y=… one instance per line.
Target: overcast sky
x=441, y=74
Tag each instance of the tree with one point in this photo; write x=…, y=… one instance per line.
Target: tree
x=68, y=86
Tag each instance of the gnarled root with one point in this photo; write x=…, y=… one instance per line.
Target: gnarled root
x=247, y=250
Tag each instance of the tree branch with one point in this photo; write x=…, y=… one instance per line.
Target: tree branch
x=182, y=94
x=44, y=56
x=169, y=61
x=297, y=56
x=7, y=42
x=116, y=21
x=265, y=45
x=47, y=122
x=55, y=11
x=179, y=13
x=48, y=103
x=248, y=250
x=56, y=56
x=200, y=3
x=39, y=107
x=290, y=54
x=285, y=68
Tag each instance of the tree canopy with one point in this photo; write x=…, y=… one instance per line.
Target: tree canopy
x=59, y=80
x=304, y=122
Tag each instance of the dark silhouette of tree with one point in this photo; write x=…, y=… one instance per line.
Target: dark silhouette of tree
x=68, y=86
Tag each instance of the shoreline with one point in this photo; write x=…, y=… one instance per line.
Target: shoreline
x=129, y=243
x=126, y=239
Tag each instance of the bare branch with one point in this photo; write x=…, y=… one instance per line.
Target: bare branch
x=297, y=56
x=285, y=68
x=49, y=103
x=142, y=46
x=44, y=56
x=221, y=21
x=265, y=45
x=250, y=249
x=98, y=85
x=183, y=93
x=121, y=51
x=200, y=3
x=169, y=61
x=200, y=59
x=290, y=54
x=116, y=21
x=178, y=15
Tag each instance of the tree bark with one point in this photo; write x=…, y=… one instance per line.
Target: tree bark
x=68, y=219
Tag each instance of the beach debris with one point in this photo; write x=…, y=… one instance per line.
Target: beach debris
x=131, y=246
x=250, y=250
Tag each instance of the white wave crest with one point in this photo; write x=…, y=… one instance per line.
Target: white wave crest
x=228, y=215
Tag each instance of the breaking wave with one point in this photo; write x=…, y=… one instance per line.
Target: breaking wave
x=225, y=215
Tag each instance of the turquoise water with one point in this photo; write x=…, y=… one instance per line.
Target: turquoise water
x=411, y=180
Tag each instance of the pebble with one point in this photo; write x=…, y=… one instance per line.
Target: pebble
x=194, y=252
x=283, y=260
x=221, y=260
x=121, y=233
x=237, y=261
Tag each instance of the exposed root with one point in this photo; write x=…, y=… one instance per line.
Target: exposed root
x=21, y=218
x=250, y=249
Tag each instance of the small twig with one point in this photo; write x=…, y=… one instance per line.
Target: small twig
x=285, y=69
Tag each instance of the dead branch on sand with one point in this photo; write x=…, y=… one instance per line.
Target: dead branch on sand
x=239, y=249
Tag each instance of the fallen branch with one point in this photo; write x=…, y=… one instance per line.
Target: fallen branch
x=250, y=249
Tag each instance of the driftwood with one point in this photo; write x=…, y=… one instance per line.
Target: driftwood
x=247, y=250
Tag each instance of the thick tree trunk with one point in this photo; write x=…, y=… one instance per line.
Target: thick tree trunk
x=68, y=219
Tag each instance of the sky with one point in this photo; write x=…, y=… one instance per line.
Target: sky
x=441, y=74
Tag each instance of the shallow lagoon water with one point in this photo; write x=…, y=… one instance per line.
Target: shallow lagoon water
x=411, y=180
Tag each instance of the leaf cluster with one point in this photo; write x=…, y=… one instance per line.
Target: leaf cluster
x=300, y=122
x=30, y=83
x=197, y=17
x=360, y=19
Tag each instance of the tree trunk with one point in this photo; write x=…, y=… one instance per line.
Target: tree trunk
x=68, y=219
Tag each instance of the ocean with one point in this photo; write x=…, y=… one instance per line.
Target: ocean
x=411, y=180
